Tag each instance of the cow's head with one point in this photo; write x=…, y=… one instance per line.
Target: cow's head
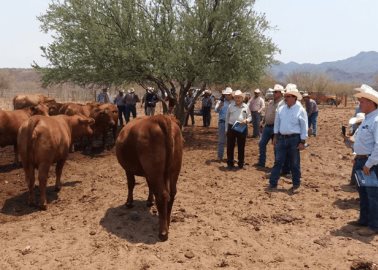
x=54, y=108
x=81, y=126
x=40, y=109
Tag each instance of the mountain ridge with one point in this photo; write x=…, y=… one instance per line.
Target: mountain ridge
x=361, y=68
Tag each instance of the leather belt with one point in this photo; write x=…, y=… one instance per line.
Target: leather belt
x=361, y=156
x=289, y=135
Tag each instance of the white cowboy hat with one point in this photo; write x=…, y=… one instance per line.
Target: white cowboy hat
x=238, y=93
x=369, y=94
x=305, y=95
x=131, y=90
x=227, y=91
x=257, y=91
x=357, y=119
x=278, y=87
x=363, y=88
x=291, y=89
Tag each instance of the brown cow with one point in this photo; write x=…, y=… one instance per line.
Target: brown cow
x=45, y=140
x=152, y=147
x=106, y=117
x=24, y=101
x=10, y=122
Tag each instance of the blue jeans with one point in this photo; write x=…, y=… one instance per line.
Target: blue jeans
x=266, y=135
x=368, y=199
x=256, y=118
x=130, y=109
x=206, y=116
x=221, y=138
x=286, y=148
x=121, y=114
x=312, y=121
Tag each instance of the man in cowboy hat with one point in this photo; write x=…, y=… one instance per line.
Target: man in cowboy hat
x=119, y=102
x=366, y=159
x=104, y=96
x=268, y=122
x=207, y=103
x=256, y=105
x=290, y=134
x=221, y=108
x=312, y=113
x=131, y=99
x=149, y=100
x=237, y=112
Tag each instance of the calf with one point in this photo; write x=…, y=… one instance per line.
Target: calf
x=10, y=122
x=152, y=147
x=45, y=140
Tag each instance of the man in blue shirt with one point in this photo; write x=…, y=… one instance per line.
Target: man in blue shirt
x=290, y=134
x=221, y=108
x=104, y=96
x=366, y=159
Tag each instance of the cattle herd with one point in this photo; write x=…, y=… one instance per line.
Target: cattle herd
x=43, y=132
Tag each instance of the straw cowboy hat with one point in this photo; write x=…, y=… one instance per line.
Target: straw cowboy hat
x=121, y=91
x=257, y=91
x=357, y=119
x=306, y=95
x=278, y=87
x=238, y=93
x=291, y=89
x=227, y=91
x=131, y=90
x=363, y=88
x=368, y=93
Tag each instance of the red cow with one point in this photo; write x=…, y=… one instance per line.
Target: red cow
x=106, y=117
x=10, y=122
x=45, y=140
x=152, y=147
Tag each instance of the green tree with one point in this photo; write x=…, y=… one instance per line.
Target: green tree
x=169, y=43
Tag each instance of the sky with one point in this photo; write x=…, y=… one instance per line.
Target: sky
x=316, y=31
x=306, y=31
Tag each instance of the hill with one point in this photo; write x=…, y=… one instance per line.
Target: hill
x=362, y=68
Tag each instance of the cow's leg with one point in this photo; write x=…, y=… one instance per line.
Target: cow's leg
x=150, y=198
x=43, y=173
x=58, y=172
x=30, y=181
x=130, y=188
x=15, y=154
x=173, y=192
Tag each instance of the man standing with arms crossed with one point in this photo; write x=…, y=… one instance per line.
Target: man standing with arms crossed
x=256, y=104
x=290, y=134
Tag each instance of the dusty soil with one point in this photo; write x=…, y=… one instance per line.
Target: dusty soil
x=221, y=219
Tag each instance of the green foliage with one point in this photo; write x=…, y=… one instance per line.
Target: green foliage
x=165, y=42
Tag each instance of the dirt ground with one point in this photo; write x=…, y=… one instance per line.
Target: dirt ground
x=221, y=219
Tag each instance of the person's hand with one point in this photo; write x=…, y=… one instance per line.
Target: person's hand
x=301, y=146
x=274, y=141
x=366, y=170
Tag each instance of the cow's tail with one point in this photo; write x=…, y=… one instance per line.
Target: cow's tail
x=166, y=126
x=32, y=137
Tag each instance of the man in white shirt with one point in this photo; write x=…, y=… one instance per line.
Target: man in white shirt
x=290, y=134
x=366, y=159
